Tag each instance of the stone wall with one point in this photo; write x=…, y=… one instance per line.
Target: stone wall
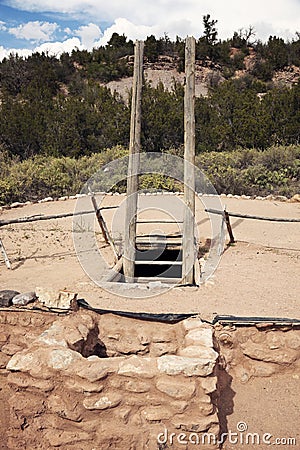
x=88, y=381
x=18, y=329
x=100, y=381
x=258, y=351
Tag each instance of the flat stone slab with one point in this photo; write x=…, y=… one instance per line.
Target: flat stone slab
x=175, y=365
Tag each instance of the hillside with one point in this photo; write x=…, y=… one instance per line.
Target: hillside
x=57, y=112
x=207, y=75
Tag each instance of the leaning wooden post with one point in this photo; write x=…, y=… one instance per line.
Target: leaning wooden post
x=188, y=240
x=229, y=229
x=6, y=259
x=102, y=224
x=133, y=165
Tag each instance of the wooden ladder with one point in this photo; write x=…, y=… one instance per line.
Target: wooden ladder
x=158, y=258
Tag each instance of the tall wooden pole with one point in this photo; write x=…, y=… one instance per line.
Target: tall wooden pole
x=188, y=241
x=133, y=165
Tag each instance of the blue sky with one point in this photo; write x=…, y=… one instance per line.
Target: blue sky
x=13, y=18
x=56, y=26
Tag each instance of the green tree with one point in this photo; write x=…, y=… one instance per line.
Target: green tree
x=206, y=45
x=210, y=31
x=162, y=117
x=294, y=50
x=153, y=48
x=283, y=105
x=232, y=117
x=22, y=126
x=88, y=123
x=277, y=52
x=14, y=74
x=262, y=70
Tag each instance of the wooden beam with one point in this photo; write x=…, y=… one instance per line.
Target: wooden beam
x=229, y=229
x=115, y=270
x=36, y=218
x=103, y=226
x=133, y=165
x=188, y=243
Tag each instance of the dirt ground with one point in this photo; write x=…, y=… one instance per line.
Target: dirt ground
x=267, y=407
x=258, y=276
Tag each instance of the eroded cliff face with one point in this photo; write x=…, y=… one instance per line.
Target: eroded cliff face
x=165, y=71
x=207, y=74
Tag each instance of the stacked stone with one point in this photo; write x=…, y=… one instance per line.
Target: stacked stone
x=126, y=401
x=17, y=330
x=260, y=351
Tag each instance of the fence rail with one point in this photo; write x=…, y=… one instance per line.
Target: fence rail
x=49, y=217
x=79, y=213
x=249, y=216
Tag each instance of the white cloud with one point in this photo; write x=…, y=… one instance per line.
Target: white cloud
x=179, y=17
x=264, y=30
x=57, y=48
x=35, y=31
x=51, y=48
x=138, y=19
x=2, y=26
x=132, y=31
x=88, y=34
x=5, y=53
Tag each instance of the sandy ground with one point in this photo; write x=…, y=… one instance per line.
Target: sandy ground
x=258, y=276
x=265, y=407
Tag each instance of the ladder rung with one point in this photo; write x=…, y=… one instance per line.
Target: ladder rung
x=159, y=221
x=160, y=236
x=144, y=246
x=158, y=263
x=158, y=241
x=162, y=279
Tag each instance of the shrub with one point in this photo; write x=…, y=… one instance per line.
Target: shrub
x=253, y=172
